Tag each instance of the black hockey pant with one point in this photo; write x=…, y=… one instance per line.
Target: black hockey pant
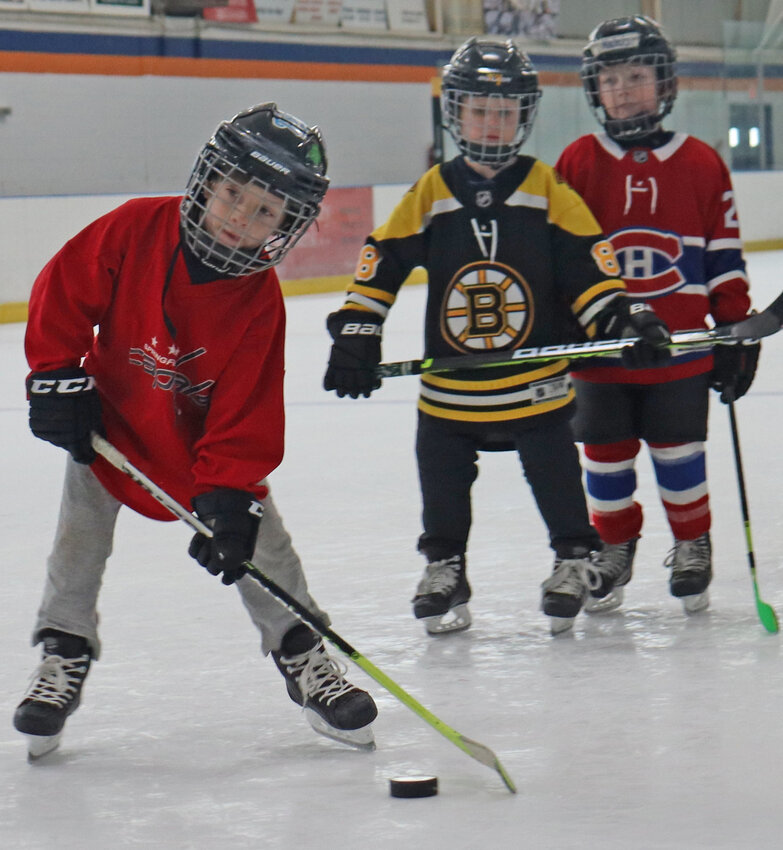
x=448, y=466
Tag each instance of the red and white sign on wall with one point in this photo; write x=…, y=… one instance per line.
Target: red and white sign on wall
x=331, y=245
x=236, y=12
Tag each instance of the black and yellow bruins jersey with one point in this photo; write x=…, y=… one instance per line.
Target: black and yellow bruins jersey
x=514, y=261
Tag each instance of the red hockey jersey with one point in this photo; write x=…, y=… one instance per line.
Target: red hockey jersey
x=195, y=402
x=670, y=215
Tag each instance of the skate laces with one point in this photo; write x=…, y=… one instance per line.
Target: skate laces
x=572, y=575
x=440, y=576
x=57, y=679
x=690, y=555
x=318, y=675
x=322, y=678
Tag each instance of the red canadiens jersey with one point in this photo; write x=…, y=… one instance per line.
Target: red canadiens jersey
x=670, y=215
x=190, y=376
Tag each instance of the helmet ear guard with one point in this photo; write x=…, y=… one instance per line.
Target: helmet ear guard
x=283, y=159
x=490, y=73
x=627, y=41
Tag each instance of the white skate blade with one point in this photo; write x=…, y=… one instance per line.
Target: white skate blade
x=39, y=746
x=697, y=602
x=361, y=739
x=558, y=625
x=456, y=620
x=610, y=602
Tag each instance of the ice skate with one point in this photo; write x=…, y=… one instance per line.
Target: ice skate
x=691, y=566
x=442, y=596
x=333, y=706
x=614, y=567
x=54, y=692
x=566, y=590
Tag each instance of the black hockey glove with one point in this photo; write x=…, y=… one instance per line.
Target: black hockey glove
x=734, y=369
x=65, y=409
x=356, y=351
x=234, y=517
x=626, y=318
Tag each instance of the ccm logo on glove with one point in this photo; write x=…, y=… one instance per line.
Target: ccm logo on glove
x=65, y=409
x=63, y=386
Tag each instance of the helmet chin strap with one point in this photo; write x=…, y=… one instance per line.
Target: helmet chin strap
x=614, y=126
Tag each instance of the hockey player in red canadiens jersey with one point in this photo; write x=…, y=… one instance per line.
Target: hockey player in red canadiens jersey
x=666, y=203
x=514, y=258
x=185, y=377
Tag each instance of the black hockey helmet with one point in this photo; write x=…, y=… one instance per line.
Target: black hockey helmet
x=279, y=154
x=487, y=68
x=635, y=39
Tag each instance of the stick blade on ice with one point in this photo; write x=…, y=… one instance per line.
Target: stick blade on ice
x=487, y=757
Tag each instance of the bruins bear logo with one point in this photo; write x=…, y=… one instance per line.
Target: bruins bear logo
x=487, y=306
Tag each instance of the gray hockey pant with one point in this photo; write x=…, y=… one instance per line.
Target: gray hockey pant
x=83, y=543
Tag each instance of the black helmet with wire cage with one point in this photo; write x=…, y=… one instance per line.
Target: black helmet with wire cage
x=485, y=74
x=634, y=40
x=280, y=156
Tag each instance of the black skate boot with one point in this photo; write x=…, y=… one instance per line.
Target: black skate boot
x=443, y=590
x=691, y=566
x=333, y=706
x=566, y=590
x=613, y=566
x=54, y=692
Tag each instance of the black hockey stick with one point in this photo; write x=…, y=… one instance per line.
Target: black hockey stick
x=756, y=326
x=473, y=748
x=766, y=613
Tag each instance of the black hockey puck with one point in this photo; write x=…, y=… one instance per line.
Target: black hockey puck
x=414, y=786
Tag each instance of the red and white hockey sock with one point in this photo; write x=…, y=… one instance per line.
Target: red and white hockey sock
x=681, y=473
x=611, y=483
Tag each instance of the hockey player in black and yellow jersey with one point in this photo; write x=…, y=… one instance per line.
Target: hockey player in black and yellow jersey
x=514, y=257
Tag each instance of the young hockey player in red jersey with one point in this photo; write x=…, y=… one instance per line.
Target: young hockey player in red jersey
x=184, y=377
x=666, y=202
x=514, y=258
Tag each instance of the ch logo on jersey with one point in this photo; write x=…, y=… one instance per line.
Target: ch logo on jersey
x=487, y=306
x=649, y=259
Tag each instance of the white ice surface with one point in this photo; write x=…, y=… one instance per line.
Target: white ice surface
x=641, y=729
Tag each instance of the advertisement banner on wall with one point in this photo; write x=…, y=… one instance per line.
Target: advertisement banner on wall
x=57, y=7
x=321, y=12
x=234, y=12
x=274, y=11
x=120, y=7
x=533, y=19
x=331, y=245
x=408, y=15
x=363, y=14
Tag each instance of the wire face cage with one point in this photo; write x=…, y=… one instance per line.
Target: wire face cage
x=237, y=223
x=630, y=95
x=489, y=128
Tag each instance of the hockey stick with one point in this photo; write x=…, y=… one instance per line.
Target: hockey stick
x=756, y=326
x=766, y=613
x=473, y=748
